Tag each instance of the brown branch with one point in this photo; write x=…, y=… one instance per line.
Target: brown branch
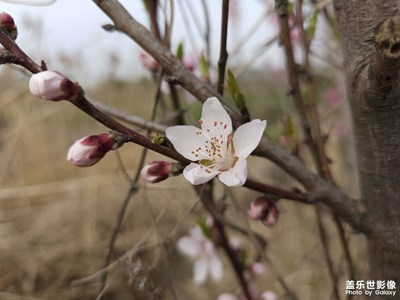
x=124, y=22
x=223, y=53
x=340, y=203
x=208, y=201
x=345, y=207
x=128, y=118
x=23, y=59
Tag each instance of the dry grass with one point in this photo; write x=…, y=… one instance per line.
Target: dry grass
x=56, y=219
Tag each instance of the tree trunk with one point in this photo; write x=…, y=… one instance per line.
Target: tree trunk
x=371, y=52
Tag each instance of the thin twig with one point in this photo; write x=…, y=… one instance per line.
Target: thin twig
x=132, y=190
x=223, y=53
x=207, y=31
x=130, y=119
x=261, y=250
x=208, y=202
x=325, y=249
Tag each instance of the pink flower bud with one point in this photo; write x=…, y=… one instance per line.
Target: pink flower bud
x=52, y=85
x=7, y=22
x=89, y=150
x=156, y=171
x=264, y=210
x=271, y=217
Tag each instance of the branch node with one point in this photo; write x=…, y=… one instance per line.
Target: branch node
x=387, y=37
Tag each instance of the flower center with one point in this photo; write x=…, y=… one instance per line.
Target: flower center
x=218, y=153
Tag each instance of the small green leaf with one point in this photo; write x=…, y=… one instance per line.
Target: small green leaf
x=312, y=26
x=235, y=92
x=289, y=131
x=204, y=228
x=180, y=52
x=204, y=66
x=291, y=7
x=158, y=140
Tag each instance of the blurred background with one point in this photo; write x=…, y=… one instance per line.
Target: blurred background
x=56, y=220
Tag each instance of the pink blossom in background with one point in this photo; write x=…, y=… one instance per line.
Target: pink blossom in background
x=149, y=62
x=333, y=97
x=204, y=255
x=268, y=295
x=258, y=269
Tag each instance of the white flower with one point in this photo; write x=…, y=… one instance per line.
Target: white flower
x=217, y=151
x=202, y=251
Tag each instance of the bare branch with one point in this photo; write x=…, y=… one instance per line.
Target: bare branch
x=329, y=194
x=223, y=54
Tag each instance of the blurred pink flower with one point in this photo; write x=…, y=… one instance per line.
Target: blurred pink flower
x=333, y=97
x=52, y=85
x=149, y=62
x=268, y=295
x=202, y=251
x=90, y=149
x=258, y=269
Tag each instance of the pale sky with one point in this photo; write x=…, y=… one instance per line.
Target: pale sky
x=74, y=27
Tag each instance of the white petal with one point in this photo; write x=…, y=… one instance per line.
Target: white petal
x=200, y=270
x=237, y=175
x=215, y=267
x=214, y=119
x=186, y=139
x=197, y=234
x=188, y=246
x=196, y=174
x=248, y=136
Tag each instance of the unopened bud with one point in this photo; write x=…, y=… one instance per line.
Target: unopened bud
x=90, y=149
x=157, y=171
x=52, y=85
x=265, y=210
x=7, y=23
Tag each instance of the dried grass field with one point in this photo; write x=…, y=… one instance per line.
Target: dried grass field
x=56, y=220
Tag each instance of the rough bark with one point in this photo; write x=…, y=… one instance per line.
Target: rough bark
x=370, y=31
